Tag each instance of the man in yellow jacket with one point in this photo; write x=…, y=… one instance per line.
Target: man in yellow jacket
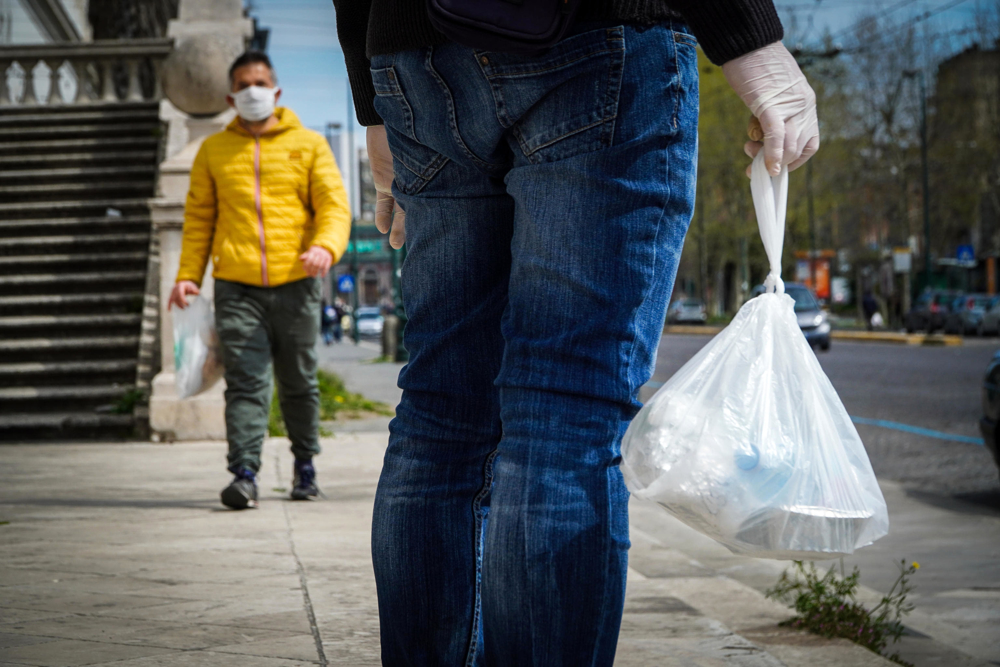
x=268, y=206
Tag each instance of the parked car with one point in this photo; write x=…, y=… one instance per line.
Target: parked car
x=370, y=321
x=929, y=311
x=812, y=319
x=990, y=324
x=965, y=315
x=991, y=407
x=687, y=311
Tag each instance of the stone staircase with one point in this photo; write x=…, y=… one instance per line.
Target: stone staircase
x=74, y=248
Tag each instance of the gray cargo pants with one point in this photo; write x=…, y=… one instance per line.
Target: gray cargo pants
x=257, y=325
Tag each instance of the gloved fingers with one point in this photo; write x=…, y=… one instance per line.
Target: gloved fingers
x=794, y=142
x=807, y=152
x=383, y=211
x=754, y=130
x=774, y=140
x=397, y=237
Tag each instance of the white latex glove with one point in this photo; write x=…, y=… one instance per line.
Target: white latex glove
x=388, y=214
x=771, y=84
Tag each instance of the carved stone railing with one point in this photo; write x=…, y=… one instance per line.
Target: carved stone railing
x=104, y=71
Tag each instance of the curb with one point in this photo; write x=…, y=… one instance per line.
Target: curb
x=935, y=340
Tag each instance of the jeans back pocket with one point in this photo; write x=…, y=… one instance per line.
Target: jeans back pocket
x=415, y=164
x=565, y=102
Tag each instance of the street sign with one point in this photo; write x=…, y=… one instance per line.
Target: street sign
x=902, y=260
x=965, y=253
x=345, y=283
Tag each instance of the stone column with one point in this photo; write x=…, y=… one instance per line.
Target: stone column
x=208, y=34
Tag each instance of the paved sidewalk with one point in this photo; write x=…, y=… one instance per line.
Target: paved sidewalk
x=119, y=554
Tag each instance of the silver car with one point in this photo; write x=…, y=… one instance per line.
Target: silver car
x=370, y=321
x=987, y=317
x=687, y=311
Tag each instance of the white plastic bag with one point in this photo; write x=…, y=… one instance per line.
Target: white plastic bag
x=749, y=442
x=197, y=352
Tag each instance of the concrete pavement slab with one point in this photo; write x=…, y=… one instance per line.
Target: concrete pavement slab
x=198, y=586
x=71, y=653
x=205, y=659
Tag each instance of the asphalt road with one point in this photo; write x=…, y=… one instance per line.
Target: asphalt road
x=935, y=388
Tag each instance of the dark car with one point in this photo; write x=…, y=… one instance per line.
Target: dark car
x=991, y=406
x=930, y=311
x=965, y=316
x=812, y=319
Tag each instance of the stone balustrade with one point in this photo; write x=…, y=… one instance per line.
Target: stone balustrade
x=82, y=73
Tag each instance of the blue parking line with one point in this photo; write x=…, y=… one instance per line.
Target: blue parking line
x=926, y=432
x=896, y=426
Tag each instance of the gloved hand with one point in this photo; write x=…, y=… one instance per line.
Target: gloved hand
x=387, y=211
x=771, y=84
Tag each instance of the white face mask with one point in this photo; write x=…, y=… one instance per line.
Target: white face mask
x=255, y=103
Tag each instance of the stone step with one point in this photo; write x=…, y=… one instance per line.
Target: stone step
x=79, y=130
x=145, y=171
x=83, y=241
x=67, y=367
x=73, y=208
x=49, y=225
x=13, y=323
x=62, y=302
x=84, y=157
x=36, y=147
x=79, y=343
x=124, y=280
x=95, y=190
x=45, y=262
x=81, y=392
x=65, y=421
x=88, y=114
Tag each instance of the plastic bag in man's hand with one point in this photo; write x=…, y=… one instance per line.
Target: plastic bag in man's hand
x=749, y=442
x=197, y=352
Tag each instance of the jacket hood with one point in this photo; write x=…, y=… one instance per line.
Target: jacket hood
x=287, y=120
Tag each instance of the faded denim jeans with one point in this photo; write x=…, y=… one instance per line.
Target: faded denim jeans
x=546, y=200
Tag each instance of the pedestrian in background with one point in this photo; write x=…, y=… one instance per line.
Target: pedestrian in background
x=268, y=206
x=870, y=307
x=551, y=193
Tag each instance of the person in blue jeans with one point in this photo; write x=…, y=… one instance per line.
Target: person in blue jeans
x=544, y=202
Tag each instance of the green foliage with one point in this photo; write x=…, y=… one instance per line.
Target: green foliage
x=334, y=402
x=826, y=605
x=126, y=403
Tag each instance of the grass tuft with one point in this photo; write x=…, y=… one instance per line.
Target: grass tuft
x=335, y=402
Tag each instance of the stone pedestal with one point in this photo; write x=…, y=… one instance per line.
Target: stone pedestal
x=208, y=34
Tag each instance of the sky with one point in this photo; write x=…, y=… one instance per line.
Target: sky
x=310, y=64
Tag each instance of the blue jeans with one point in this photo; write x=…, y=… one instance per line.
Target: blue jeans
x=546, y=200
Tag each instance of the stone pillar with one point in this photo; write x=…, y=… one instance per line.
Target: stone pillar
x=208, y=34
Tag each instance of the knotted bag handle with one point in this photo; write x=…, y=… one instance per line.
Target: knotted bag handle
x=770, y=201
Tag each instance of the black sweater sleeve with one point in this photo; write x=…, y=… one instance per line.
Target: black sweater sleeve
x=726, y=29
x=352, y=30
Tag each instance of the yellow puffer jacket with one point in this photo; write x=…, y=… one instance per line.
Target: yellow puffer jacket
x=259, y=204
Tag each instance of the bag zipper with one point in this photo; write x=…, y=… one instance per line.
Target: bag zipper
x=260, y=210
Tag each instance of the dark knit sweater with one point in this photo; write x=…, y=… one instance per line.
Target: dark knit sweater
x=725, y=29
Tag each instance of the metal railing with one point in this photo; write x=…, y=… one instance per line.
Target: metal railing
x=103, y=71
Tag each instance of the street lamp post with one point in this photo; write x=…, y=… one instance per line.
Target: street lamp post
x=910, y=73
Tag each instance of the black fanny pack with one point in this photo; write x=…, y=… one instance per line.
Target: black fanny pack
x=512, y=26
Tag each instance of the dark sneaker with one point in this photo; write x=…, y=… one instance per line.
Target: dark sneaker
x=304, y=484
x=241, y=494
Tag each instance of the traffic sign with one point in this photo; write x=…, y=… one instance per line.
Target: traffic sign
x=965, y=253
x=345, y=283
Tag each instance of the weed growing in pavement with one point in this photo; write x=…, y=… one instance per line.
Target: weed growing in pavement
x=827, y=606
x=334, y=401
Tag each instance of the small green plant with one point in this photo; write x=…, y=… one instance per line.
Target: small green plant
x=127, y=402
x=4, y=523
x=827, y=605
x=334, y=400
